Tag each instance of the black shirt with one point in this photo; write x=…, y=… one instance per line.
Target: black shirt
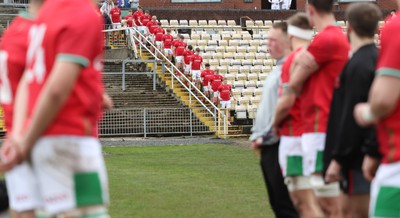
x=346, y=142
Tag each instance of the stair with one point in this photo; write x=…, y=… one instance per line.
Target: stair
x=197, y=108
x=164, y=113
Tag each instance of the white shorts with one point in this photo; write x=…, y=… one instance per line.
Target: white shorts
x=215, y=94
x=385, y=191
x=196, y=74
x=226, y=104
x=187, y=69
x=291, y=154
x=116, y=25
x=313, y=145
x=22, y=188
x=167, y=51
x=206, y=89
x=179, y=59
x=71, y=172
x=142, y=29
x=159, y=43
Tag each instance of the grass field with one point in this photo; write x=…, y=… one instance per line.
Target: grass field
x=185, y=181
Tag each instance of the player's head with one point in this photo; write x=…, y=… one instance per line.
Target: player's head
x=159, y=24
x=115, y=5
x=168, y=31
x=35, y=5
x=216, y=71
x=181, y=38
x=154, y=18
x=316, y=8
x=299, y=27
x=130, y=12
x=147, y=12
x=278, y=40
x=109, y=1
x=207, y=65
x=197, y=50
x=225, y=81
x=362, y=19
x=139, y=8
x=190, y=47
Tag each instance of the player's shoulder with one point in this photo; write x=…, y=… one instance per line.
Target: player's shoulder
x=18, y=28
x=392, y=27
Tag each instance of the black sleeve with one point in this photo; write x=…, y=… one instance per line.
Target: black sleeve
x=351, y=139
x=371, y=146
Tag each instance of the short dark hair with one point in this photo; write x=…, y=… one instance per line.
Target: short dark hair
x=197, y=49
x=159, y=23
x=364, y=18
x=190, y=47
x=181, y=36
x=281, y=26
x=207, y=65
x=325, y=6
x=168, y=30
x=300, y=20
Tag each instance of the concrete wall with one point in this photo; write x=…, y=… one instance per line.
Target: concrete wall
x=240, y=4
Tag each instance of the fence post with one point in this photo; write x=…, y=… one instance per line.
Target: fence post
x=123, y=75
x=154, y=74
x=144, y=123
x=191, y=122
x=215, y=120
x=190, y=96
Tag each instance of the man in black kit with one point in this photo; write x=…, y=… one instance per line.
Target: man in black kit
x=346, y=142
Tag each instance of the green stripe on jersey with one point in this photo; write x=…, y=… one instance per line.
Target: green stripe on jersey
x=88, y=189
x=74, y=59
x=387, y=202
x=294, y=166
x=97, y=215
x=388, y=72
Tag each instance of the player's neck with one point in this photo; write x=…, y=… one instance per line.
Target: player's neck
x=299, y=43
x=34, y=8
x=357, y=42
x=324, y=21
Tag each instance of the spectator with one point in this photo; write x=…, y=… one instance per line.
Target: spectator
x=115, y=14
x=167, y=44
x=105, y=11
x=216, y=81
x=134, y=3
x=206, y=76
x=225, y=91
x=129, y=18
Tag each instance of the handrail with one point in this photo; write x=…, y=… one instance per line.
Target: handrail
x=185, y=78
x=134, y=38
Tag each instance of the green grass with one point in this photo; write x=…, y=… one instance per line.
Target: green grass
x=185, y=181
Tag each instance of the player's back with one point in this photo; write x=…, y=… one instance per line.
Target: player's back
x=77, y=39
x=13, y=48
x=330, y=49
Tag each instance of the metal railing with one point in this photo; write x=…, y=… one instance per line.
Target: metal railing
x=15, y=3
x=137, y=38
x=151, y=122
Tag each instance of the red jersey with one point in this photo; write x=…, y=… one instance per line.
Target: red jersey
x=179, y=48
x=216, y=81
x=207, y=76
x=187, y=55
x=137, y=16
x=225, y=92
x=196, y=61
x=13, y=48
x=115, y=14
x=167, y=39
x=388, y=128
x=129, y=20
x=151, y=25
x=159, y=33
x=330, y=49
x=145, y=19
x=76, y=40
x=292, y=125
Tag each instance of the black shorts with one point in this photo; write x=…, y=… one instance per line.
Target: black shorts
x=354, y=183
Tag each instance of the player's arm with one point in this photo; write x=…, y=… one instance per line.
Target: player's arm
x=107, y=102
x=383, y=98
x=285, y=103
x=51, y=99
x=305, y=66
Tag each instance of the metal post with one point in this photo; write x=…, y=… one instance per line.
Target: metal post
x=215, y=120
x=163, y=68
x=190, y=96
x=123, y=75
x=191, y=124
x=154, y=75
x=144, y=123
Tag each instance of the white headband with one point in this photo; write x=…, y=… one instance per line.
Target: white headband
x=301, y=33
